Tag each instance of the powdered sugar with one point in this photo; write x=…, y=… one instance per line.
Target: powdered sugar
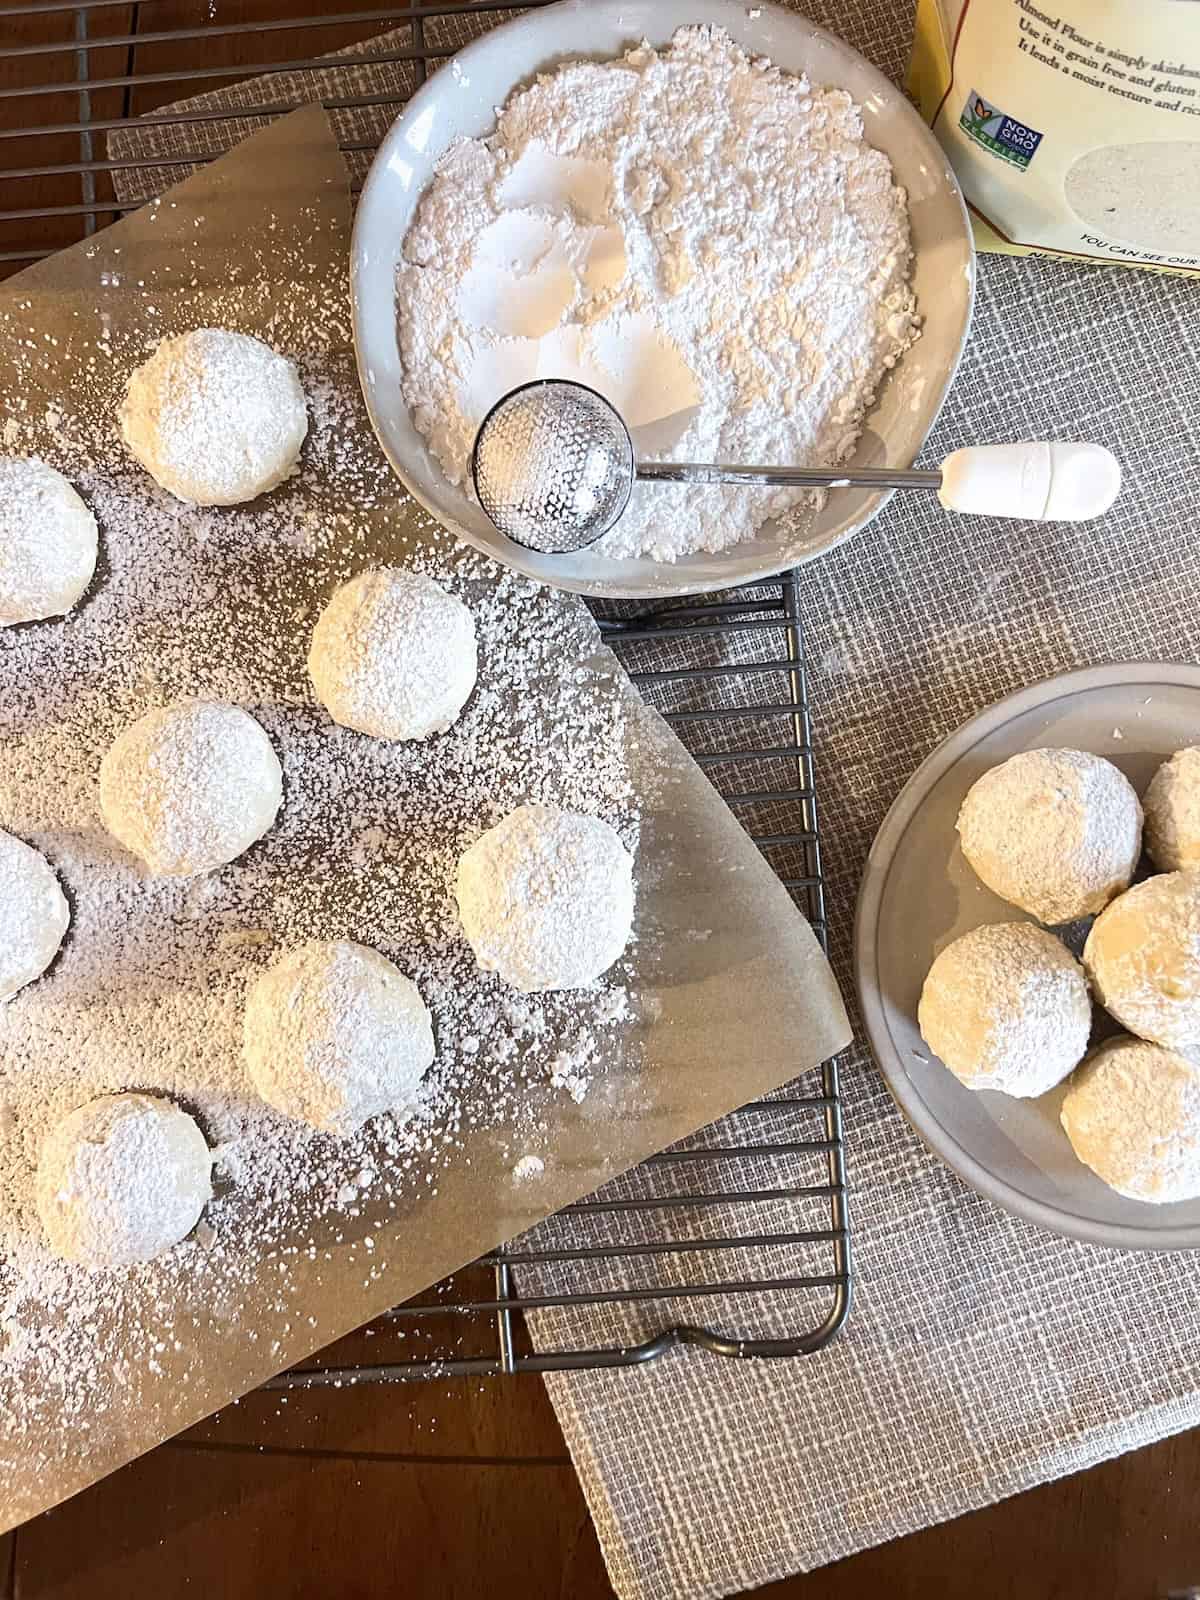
x=217, y=417
x=1056, y=832
x=546, y=898
x=1143, y=957
x=190, y=786
x=394, y=655
x=121, y=1179
x=1006, y=1007
x=48, y=543
x=1132, y=1113
x=33, y=915
x=1172, y=805
x=150, y=988
x=703, y=238
x=335, y=1034
x=571, y=1068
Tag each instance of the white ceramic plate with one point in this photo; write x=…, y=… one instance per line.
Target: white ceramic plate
x=918, y=894
x=461, y=103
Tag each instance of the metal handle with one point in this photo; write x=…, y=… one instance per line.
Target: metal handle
x=810, y=477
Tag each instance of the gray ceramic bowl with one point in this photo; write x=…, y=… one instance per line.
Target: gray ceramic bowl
x=462, y=104
x=918, y=894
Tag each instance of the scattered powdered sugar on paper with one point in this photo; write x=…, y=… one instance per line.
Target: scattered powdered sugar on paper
x=705, y=239
x=571, y=1068
x=149, y=989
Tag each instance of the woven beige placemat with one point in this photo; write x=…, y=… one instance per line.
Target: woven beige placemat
x=983, y=1356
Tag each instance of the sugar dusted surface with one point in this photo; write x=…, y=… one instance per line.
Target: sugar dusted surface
x=190, y=786
x=1006, y=1007
x=1056, y=832
x=149, y=990
x=336, y=1034
x=1132, y=1113
x=47, y=542
x=215, y=417
x=546, y=898
x=393, y=655
x=34, y=915
x=122, y=1178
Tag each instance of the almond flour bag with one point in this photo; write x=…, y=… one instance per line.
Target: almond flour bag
x=1073, y=125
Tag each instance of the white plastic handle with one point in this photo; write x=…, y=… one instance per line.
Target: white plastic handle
x=1045, y=482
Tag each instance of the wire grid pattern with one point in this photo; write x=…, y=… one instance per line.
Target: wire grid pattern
x=74, y=71
x=749, y=1190
x=984, y=1356
x=737, y=1239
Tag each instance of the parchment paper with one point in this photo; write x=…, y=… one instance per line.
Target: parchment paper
x=278, y=200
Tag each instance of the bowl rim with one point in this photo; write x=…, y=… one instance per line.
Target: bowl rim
x=515, y=558
x=943, y=1142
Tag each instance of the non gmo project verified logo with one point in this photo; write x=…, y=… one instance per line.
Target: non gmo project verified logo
x=1003, y=135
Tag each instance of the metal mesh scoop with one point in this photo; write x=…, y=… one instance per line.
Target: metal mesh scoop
x=553, y=466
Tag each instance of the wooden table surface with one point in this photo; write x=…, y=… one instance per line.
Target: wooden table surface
x=437, y=1491
x=441, y=1490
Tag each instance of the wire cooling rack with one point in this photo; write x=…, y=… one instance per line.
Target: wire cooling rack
x=728, y=673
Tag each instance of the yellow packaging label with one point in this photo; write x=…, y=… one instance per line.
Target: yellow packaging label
x=1073, y=125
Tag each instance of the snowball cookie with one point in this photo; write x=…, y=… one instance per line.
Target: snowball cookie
x=393, y=655
x=1143, y=957
x=1056, y=832
x=33, y=915
x=122, y=1179
x=546, y=898
x=1132, y=1114
x=191, y=786
x=335, y=1034
x=1006, y=1007
x=215, y=417
x=47, y=542
x=1172, y=806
